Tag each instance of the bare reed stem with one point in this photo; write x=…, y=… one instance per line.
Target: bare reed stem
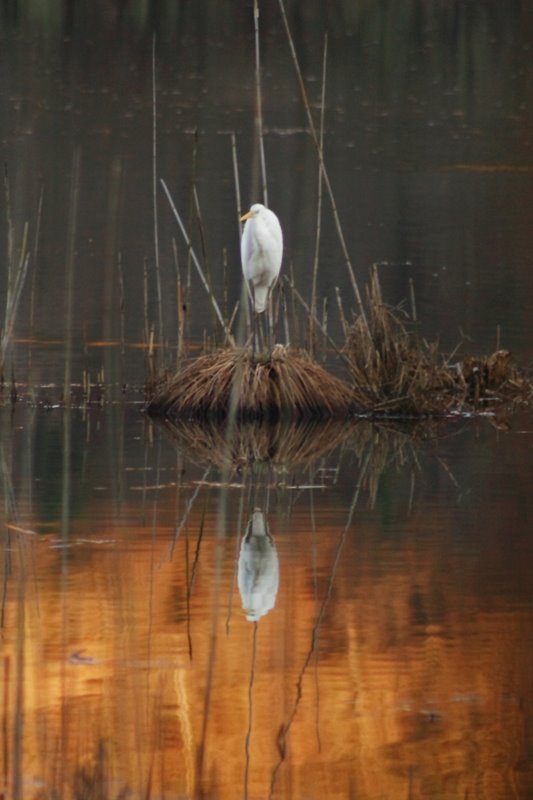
x=319, y=193
x=121, y=303
x=259, y=104
x=16, y=276
x=195, y=261
x=71, y=249
x=236, y=181
x=154, y=194
x=196, y=201
x=245, y=319
x=413, y=300
x=327, y=182
x=180, y=305
x=313, y=317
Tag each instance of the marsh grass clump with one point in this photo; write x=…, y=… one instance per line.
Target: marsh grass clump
x=392, y=371
x=395, y=372
x=284, y=384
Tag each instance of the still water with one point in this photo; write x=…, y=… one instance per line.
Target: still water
x=356, y=626
x=313, y=613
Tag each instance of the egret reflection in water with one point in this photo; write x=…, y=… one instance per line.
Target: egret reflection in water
x=258, y=574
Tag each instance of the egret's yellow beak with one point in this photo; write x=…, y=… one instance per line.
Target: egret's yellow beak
x=247, y=215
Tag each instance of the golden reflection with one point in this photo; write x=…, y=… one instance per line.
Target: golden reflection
x=386, y=663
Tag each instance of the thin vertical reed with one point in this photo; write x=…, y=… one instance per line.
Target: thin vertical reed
x=196, y=263
x=245, y=319
x=154, y=191
x=196, y=201
x=16, y=276
x=145, y=302
x=327, y=182
x=236, y=181
x=325, y=321
x=121, y=304
x=69, y=291
x=321, y=325
x=319, y=192
x=413, y=301
x=36, y=241
x=179, y=305
x=341, y=313
x=259, y=104
x=9, y=221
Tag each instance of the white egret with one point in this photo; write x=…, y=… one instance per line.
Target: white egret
x=261, y=252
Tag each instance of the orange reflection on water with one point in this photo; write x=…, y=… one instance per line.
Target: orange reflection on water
x=384, y=670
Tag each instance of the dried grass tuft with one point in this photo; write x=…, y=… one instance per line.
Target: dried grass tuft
x=390, y=370
x=394, y=372
x=286, y=384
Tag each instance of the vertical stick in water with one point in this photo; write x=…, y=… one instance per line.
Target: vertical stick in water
x=325, y=175
x=413, y=302
x=319, y=198
x=195, y=261
x=69, y=292
x=16, y=275
x=244, y=317
x=259, y=104
x=154, y=190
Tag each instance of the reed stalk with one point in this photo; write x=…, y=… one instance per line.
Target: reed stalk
x=195, y=261
x=180, y=306
x=121, y=304
x=16, y=276
x=327, y=182
x=322, y=326
x=199, y=219
x=154, y=195
x=319, y=193
x=69, y=289
x=34, y=275
x=245, y=321
x=259, y=105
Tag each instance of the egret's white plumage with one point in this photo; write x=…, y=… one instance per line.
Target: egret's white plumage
x=261, y=252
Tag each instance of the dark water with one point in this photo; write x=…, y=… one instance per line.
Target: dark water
x=387, y=651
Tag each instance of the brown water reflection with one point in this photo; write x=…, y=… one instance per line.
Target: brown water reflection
x=396, y=661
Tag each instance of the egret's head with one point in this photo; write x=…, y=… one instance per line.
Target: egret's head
x=253, y=212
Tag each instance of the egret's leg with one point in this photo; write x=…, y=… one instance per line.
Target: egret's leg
x=269, y=324
x=260, y=322
x=253, y=317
